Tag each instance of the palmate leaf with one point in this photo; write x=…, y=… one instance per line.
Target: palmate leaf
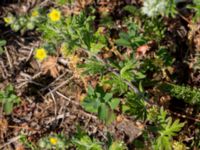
x=166, y=130
x=101, y=103
x=132, y=38
x=172, y=128
x=8, y=99
x=91, y=104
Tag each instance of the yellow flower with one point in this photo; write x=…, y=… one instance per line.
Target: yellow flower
x=9, y=19
x=35, y=13
x=40, y=54
x=53, y=140
x=54, y=15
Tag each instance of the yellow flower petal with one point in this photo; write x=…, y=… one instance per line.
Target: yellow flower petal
x=53, y=140
x=40, y=54
x=54, y=15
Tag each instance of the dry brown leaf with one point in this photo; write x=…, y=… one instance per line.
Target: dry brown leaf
x=50, y=65
x=20, y=147
x=194, y=35
x=197, y=42
x=142, y=50
x=76, y=7
x=119, y=118
x=3, y=126
x=131, y=129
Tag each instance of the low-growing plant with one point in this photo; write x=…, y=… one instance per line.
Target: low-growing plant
x=154, y=29
x=120, y=78
x=102, y=103
x=8, y=99
x=27, y=144
x=23, y=23
x=132, y=38
x=154, y=8
x=81, y=141
x=55, y=141
x=160, y=131
x=84, y=142
x=136, y=105
x=75, y=32
x=166, y=129
x=150, y=28
x=121, y=75
x=186, y=93
x=116, y=83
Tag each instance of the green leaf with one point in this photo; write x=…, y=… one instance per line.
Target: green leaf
x=96, y=47
x=123, y=42
x=114, y=103
x=166, y=129
x=136, y=105
x=8, y=107
x=106, y=114
x=141, y=87
x=90, y=90
x=91, y=105
x=85, y=143
x=103, y=112
x=92, y=66
x=107, y=97
x=2, y=43
x=8, y=99
x=139, y=75
x=131, y=9
x=117, y=83
x=126, y=72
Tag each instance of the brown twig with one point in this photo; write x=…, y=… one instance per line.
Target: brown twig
x=8, y=57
